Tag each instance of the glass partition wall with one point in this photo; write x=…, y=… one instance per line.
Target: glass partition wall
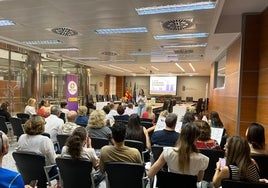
x=22, y=77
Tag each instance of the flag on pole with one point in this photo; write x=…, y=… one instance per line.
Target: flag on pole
x=134, y=95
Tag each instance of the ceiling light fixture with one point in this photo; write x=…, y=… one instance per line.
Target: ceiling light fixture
x=181, y=36
x=105, y=66
x=190, y=64
x=6, y=22
x=176, y=8
x=155, y=68
x=62, y=49
x=120, y=68
x=180, y=67
x=40, y=42
x=143, y=68
x=167, y=46
x=122, y=30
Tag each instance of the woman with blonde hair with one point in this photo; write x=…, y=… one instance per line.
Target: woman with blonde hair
x=97, y=125
x=82, y=117
x=31, y=107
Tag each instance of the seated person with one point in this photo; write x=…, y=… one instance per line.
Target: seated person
x=8, y=178
x=121, y=116
x=4, y=111
x=255, y=135
x=205, y=140
x=82, y=117
x=129, y=109
x=118, y=152
x=184, y=157
x=78, y=145
x=167, y=136
x=70, y=125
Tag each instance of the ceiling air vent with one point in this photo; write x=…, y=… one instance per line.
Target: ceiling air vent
x=184, y=51
x=177, y=24
x=64, y=31
x=109, y=53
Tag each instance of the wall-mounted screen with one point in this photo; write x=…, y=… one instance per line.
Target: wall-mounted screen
x=160, y=85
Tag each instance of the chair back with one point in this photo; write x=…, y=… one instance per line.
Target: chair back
x=169, y=179
x=3, y=125
x=23, y=116
x=75, y=173
x=213, y=156
x=156, y=151
x=262, y=161
x=31, y=167
x=226, y=183
x=62, y=139
x=98, y=142
x=189, y=99
x=17, y=126
x=146, y=120
x=124, y=174
x=138, y=145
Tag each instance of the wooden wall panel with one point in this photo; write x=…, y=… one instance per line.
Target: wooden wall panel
x=262, y=106
x=262, y=110
x=263, y=82
x=250, y=83
x=248, y=109
x=231, y=84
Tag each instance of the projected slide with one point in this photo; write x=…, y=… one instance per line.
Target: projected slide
x=163, y=85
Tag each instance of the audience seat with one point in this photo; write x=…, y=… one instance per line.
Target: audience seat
x=125, y=175
x=262, y=161
x=32, y=166
x=75, y=173
x=226, y=183
x=214, y=156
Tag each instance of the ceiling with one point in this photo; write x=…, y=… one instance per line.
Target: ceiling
x=115, y=53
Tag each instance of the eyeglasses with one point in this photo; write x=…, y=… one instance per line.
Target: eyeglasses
x=2, y=143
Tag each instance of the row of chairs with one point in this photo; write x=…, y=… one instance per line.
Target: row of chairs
x=214, y=156
x=78, y=173
x=15, y=123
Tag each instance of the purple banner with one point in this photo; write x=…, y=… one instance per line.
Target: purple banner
x=72, y=91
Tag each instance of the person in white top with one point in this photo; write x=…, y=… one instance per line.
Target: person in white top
x=34, y=141
x=184, y=158
x=53, y=122
x=141, y=100
x=31, y=107
x=129, y=109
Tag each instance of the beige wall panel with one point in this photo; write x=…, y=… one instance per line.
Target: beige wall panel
x=232, y=85
x=233, y=57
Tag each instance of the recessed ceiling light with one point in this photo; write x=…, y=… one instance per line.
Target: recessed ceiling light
x=122, y=30
x=184, y=45
x=180, y=36
x=179, y=67
x=176, y=8
x=6, y=22
x=62, y=49
x=39, y=42
x=105, y=66
x=192, y=67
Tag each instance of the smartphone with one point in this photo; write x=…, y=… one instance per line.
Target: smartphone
x=33, y=183
x=222, y=162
